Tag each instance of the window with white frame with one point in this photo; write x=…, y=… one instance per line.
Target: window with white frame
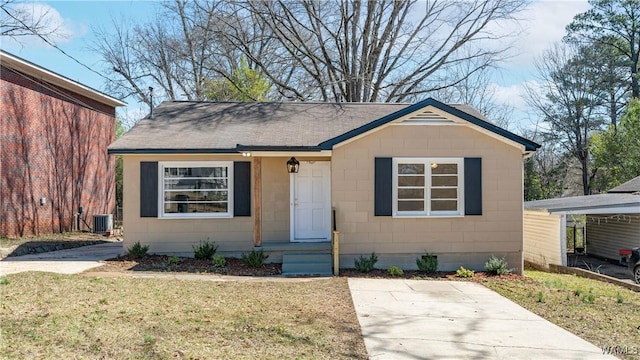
x=428, y=187
x=196, y=189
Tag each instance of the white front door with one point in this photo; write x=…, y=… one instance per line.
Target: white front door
x=311, y=202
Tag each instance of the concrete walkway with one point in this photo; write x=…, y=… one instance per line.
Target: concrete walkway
x=70, y=261
x=414, y=319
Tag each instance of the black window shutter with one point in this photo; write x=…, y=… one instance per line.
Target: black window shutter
x=148, y=189
x=242, y=188
x=472, y=186
x=382, y=187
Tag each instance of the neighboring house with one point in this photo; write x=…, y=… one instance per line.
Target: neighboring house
x=54, y=134
x=402, y=180
x=611, y=223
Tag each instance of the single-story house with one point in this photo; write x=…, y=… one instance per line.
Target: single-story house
x=611, y=223
x=395, y=179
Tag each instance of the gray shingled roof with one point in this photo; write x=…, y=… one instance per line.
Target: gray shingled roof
x=192, y=127
x=205, y=125
x=588, y=204
x=630, y=186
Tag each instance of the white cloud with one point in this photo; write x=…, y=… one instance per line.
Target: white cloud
x=542, y=24
x=50, y=20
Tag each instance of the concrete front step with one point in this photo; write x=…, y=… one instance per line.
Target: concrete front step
x=306, y=264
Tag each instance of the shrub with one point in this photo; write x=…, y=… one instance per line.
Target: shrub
x=205, y=250
x=364, y=264
x=137, y=251
x=464, y=273
x=4, y=281
x=254, y=258
x=395, y=271
x=219, y=261
x=174, y=260
x=497, y=266
x=427, y=263
x=540, y=298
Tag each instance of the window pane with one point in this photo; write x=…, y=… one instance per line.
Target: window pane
x=444, y=181
x=195, y=172
x=444, y=205
x=410, y=193
x=170, y=184
x=191, y=196
x=410, y=205
x=410, y=180
x=444, y=168
x=210, y=207
x=444, y=193
x=410, y=168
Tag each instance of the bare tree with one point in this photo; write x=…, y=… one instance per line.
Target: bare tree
x=174, y=54
x=308, y=50
x=389, y=51
x=568, y=104
x=477, y=90
x=17, y=20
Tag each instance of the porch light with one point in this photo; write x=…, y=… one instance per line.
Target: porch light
x=293, y=165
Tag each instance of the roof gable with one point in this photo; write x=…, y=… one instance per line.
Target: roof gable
x=475, y=120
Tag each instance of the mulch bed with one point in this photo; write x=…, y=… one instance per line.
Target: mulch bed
x=161, y=263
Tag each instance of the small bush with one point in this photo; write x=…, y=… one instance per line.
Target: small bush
x=4, y=281
x=364, y=264
x=174, y=260
x=589, y=298
x=497, y=266
x=540, y=298
x=254, y=258
x=205, y=250
x=619, y=298
x=137, y=251
x=577, y=292
x=427, y=263
x=219, y=261
x=395, y=271
x=464, y=273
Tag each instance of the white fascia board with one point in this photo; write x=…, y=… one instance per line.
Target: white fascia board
x=611, y=210
x=321, y=153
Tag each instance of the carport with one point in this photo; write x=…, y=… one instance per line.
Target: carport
x=611, y=222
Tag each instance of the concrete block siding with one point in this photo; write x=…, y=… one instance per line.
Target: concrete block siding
x=468, y=240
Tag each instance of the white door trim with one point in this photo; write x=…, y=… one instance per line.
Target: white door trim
x=327, y=200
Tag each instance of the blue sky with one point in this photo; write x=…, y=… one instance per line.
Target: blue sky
x=542, y=24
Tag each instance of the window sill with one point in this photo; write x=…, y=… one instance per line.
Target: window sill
x=396, y=216
x=195, y=217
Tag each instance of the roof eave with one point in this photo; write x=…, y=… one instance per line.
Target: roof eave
x=49, y=76
x=237, y=150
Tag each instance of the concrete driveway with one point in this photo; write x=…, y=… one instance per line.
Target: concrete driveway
x=414, y=319
x=70, y=261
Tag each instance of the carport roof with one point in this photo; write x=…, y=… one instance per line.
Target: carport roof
x=588, y=204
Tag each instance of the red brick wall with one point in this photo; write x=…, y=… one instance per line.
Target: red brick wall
x=53, y=144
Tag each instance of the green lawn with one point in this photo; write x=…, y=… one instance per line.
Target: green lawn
x=58, y=316
x=601, y=313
